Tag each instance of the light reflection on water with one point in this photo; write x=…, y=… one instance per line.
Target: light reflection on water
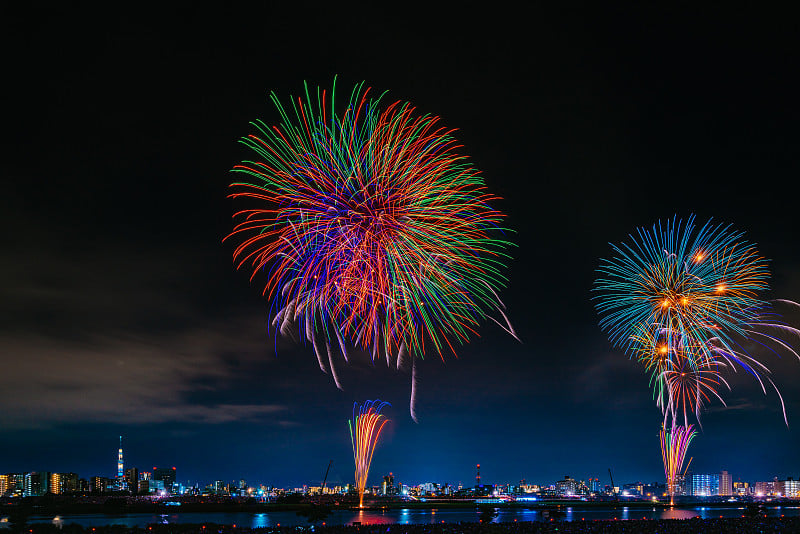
x=410, y=516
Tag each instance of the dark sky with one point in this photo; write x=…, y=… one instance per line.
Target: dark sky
x=121, y=311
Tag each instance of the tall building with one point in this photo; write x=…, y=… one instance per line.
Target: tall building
x=56, y=487
x=61, y=483
x=132, y=479
x=725, y=484
x=682, y=485
x=388, y=484
x=763, y=489
x=120, y=463
x=3, y=485
x=788, y=487
x=99, y=484
x=568, y=486
x=36, y=483
x=16, y=483
x=704, y=485
x=741, y=488
x=166, y=475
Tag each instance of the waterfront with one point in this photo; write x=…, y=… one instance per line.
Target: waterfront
x=407, y=516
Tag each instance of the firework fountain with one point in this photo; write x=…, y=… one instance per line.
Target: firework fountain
x=365, y=428
x=674, y=444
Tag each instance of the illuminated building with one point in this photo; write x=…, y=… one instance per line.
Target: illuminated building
x=566, y=487
x=388, y=485
x=766, y=489
x=166, y=475
x=788, y=488
x=132, y=479
x=704, y=485
x=120, y=464
x=36, y=483
x=725, y=484
x=3, y=485
x=16, y=483
x=681, y=486
x=61, y=483
x=741, y=488
x=102, y=484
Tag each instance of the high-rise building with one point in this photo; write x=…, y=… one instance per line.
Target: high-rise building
x=99, y=484
x=36, y=483
x=704, y=485
x=16, y=483
x=120, y=463
x=55, y=484
x=788, y=487
x=741, y=488
x=132, y=479
x=388, y=485
x=725, y=484
x=568, y=486
x=61, y=483
x=767, y=488
x=3, y=485
x=682, y=485
x=167, y=475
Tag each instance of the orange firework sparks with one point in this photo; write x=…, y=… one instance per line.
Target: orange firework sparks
x=674, y=444
x=365, y=427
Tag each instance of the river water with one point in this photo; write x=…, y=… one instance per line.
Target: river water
x=406, y=516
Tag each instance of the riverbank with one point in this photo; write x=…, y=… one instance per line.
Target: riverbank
x=114, y=506
x=664, y=526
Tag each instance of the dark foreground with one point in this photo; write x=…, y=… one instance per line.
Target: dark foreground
x=662, y=526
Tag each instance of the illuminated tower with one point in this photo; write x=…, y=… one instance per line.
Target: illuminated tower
x=120, y=464
x=478, y=475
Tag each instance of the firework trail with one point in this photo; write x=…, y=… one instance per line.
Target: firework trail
x=370, y=228
x=365, y=428
x=684, y=301
x=674, y=444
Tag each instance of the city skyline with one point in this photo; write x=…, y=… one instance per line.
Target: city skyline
x=152, y=474
x=122, y=313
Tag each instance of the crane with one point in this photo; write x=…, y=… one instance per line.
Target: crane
x=324, y=480
x=616, y=495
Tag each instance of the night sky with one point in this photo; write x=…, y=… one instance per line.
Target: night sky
x=121, y=311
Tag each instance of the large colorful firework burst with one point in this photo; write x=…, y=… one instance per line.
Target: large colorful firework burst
x=684, y=301
x=372, y=230
x=365, y=428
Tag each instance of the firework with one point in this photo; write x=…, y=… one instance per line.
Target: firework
x=683, y=300
x=370, y=228
x=681, y=284
x=365, y=428
x=674, y=444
